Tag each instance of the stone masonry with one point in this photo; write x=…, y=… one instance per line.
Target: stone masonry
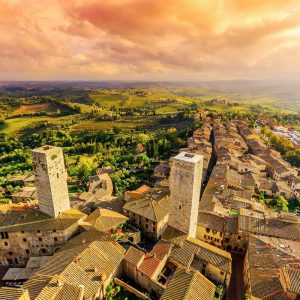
x=50, y=180
x=185, y=185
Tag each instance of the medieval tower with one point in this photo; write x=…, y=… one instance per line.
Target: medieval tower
x=185, y=185
x=50, y=180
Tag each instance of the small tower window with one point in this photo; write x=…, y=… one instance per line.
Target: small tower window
x=57, y=175
x=179, y=207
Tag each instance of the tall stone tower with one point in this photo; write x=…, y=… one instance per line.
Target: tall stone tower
x=50, y=180
x=185, y=185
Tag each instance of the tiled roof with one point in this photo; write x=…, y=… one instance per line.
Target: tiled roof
x=211, y=220
x=8, y=293
x=104, y=219
x=193, y=248
x=60, y=289
x=266, y=257
x=29, y=219
x=173, y=235
x=85, y=260
x=26, y=192
x=256, y=223
x=154, y=206
x=134, y=256
x=161, y=249
x=149, y=265
x=294, y=278
x=190, y=285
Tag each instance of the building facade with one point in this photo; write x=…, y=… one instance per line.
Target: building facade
x=185, y=185
x=50, y=180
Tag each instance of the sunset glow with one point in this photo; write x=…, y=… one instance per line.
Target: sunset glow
x=149, y=40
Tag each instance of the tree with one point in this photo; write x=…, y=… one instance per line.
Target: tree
x=262, y=197
x=282, y=204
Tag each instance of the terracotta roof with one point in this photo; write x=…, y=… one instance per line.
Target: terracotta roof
x=29, y=219
x=195, y=249
x=149, y=265
x=26, y=192
x=88, y=259
x=134, y=256
x=211, y=220
x=153, y=206
x=143, y=188
x=294, y=279
x=256, y=223
x=190, y=285
x=8, y=293
x=266, y=256
x=104, y=219
x=173, y=235
x=161, y=249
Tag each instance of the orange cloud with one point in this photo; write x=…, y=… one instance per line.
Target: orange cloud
x=142, y=39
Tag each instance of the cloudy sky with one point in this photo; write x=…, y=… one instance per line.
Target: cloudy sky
x=149, y=39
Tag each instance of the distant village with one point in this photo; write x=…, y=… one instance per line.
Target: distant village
x=203, y=230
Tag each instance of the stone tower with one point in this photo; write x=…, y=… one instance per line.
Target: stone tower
x=50, y=180
x=185, y=185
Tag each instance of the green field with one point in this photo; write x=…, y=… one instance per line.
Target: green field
x=15, y=125
x=127, y=105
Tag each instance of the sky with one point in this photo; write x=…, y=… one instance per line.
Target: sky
x=190, y=40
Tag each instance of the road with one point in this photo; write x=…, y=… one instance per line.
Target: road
x=236, y=286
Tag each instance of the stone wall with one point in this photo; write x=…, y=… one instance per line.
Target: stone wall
x=50, y=180
x=185, y=185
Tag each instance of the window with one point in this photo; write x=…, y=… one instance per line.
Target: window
x=38, y=231
x=22, y=231
x=55, y=239
x=10, y=253
x=54, y=230
x=205, y=236
x=239, y=237
x=44, y=251
x=207, y=230
x=4, y=235
x=179, y=207
x=222, y=273
x=24, y=240
x=27, y=251
x=40, y=239
x=57, y=175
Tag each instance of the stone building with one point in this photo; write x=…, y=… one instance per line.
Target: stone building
x=187, y=284
x=26, y=232
x=29, y=232
x=272, y=268
x=150, y=213
x=50, y=180
x=25, y=194
x=81, y=269
x=185, y=185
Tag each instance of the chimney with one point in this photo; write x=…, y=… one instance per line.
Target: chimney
x=81, y=293
x=59, y=283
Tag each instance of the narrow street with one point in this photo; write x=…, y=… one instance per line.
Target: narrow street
x=236, y=286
